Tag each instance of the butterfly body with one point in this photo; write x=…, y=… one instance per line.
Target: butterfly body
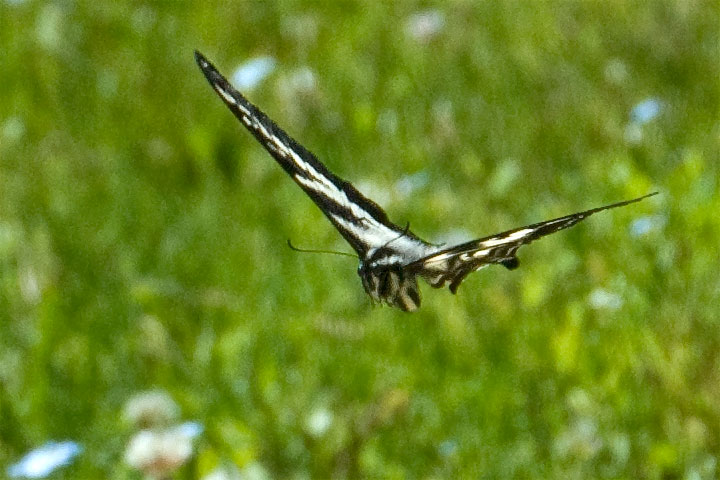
x=386, y=279
x=391, y=258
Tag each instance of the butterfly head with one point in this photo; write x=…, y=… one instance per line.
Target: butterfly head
x=387, y=282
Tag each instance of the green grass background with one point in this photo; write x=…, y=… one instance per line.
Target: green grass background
x=142, y=237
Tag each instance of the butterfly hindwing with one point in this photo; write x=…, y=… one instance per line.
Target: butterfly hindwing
x=453, y=264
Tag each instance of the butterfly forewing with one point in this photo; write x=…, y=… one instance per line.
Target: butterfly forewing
x=360, y=220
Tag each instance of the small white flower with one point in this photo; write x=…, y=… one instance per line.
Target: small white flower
x=641, y=114
x=600, y=298
x=645, y=111
x=424, y=25
x=646, y=224
x=13, y=128
x=30, y=284
x=448, y=448
x=158, y=453
x=51, y=23
x=252, y=72
x=318, y=422
x=641, y=226
x=190, y=429
x=616, y=72
x=42, y=461
x=580, y=440
x=151, y=409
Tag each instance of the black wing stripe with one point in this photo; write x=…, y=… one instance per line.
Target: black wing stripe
x=360, y=220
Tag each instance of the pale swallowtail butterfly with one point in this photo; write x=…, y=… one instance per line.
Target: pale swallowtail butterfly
x=391, y=257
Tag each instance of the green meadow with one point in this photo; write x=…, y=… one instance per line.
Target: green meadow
x=143, y=238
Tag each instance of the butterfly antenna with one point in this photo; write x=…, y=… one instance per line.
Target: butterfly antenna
x=402, y=234
x=305, y=250
x=405, y=231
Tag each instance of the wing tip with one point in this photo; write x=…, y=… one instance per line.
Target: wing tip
x=647, y=195
x=209, y=70
x=622, y=204
x=201, y=60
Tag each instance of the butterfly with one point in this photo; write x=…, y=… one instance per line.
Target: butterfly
x=391, y=257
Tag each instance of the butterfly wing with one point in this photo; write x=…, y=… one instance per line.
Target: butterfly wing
x=358, y=219
x=455, y=263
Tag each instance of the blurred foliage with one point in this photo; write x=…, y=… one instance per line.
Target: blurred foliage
x=142, y=236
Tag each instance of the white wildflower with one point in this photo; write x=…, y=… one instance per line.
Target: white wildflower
x=318, y=422
x=249, y=74
x=151, y=409
x=603, y=299
x=425, y=25
x=44, y=460
x=158, y=453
